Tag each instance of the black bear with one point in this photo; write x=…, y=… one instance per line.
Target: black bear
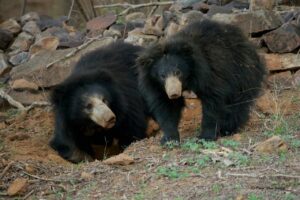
x=216, y=62
x=99, y=102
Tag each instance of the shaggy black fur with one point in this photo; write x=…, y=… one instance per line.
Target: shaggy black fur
x=216, y=62
x=110, y=72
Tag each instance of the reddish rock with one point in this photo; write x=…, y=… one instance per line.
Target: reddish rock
x=47, y=43
x=121, y=159
x=272, y=145
x=251, y=22
x=23, y=84
x=18, y=186
x=280, y=62
x=281, y=80
x=154, y=26
x=101, y=23
x=11, y=25
x=284, y=39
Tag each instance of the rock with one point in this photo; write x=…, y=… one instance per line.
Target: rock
x=22, y=42
x=296, y=79
x=4, y=66
x=214, y=9
x=281, y=80
x=23, y=84
x=139, y=17
x=46, y=22
x=101, y=23
x=121, y=159
x=19, y=58
x=18, y=137
x=31, y=16
x=272, y=145
x=112, y=33
x=154, y=26
x=32, y=28
x=18, y=186
x=136, y=37
x=35, y=69
x=86, y=176
x=203, y=7
x=172, y=29
x=27, y=97
x=284, y=39
x=11, y=25
x=66, y=39
x=6, y=37
x=262, y=4
x=190, y=17
x=257, y=42
x=29, y=168
x=251, y=22
x=266, y=103
x=187, y=3
x=281, y=62
x=238, y=4
x=47, y=43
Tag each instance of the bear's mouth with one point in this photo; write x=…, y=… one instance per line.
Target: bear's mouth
x=101, y=114
x=173, y=87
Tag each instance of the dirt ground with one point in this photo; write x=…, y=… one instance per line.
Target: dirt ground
x=226, y=169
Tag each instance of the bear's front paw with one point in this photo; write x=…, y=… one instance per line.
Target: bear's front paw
x=165, y=140
x=209, y=135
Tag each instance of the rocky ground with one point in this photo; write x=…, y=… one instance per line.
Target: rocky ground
x=260, y=162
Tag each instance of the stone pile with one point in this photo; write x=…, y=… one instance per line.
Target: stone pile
x=30, y=44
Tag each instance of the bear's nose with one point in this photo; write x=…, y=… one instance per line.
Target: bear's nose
x=174, y=96
x=112, y=119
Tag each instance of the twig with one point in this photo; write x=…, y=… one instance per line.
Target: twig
x=262, y=176
x=11, y=101
x=6, y=169
x=28, y=195
x=128, y=7
x=93, y=9
x=24, y=3
x=82, y=10
x=45, y=179
x=19, y=105
x=71, y=9
x=89, y=41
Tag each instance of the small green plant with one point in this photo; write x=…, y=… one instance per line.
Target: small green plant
x=290, y=197
x=295, y=143
x=252, y=196
x=203, y=161
x=139, y=196
x=171, y=172
x=191, y=145
x=209, y=144
x=171, y=144
x=239, y=158
x=216, y=188
x=230, y=143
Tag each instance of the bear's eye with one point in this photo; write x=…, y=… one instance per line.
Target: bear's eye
x=162, y=76
x=89, y=106
x=177, y=72
x=105, y=101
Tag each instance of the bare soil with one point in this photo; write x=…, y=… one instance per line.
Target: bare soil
x=225, y=169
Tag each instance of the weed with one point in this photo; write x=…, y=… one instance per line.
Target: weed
x=171, y=172
x=290, y=197
x=239, y=158
x=139, y=196
x=216, y=188
x=295, y=143
x=230, y=143
x=209, y=144
x=252, y=196
x=203, y=161
x=191, y=145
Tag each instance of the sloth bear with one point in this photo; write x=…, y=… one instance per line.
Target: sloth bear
x=216, y=62
x=99, y=102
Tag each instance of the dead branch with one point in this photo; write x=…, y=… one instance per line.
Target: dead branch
x=263, y=176
x=6, y=169
x=19, y=105
x=128, y=7
x=28, y=195
x=11, y=101
x=71, y=9
x=87, y=43
x=45, y=179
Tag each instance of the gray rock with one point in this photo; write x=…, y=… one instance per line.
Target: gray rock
x=22, y=42
x=6, y=37
x=284, y=39
x=251, y=22
x=214, y=9
x=19, y=58
x=154, y=26
x=262, y=4
x=11, y=25
x=32, y=28
x=31, y=16
x=35, y=69
x=4, y=66
x=136, y=37
x=190, y=17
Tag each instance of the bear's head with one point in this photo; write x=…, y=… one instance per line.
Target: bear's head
x=168, y=64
